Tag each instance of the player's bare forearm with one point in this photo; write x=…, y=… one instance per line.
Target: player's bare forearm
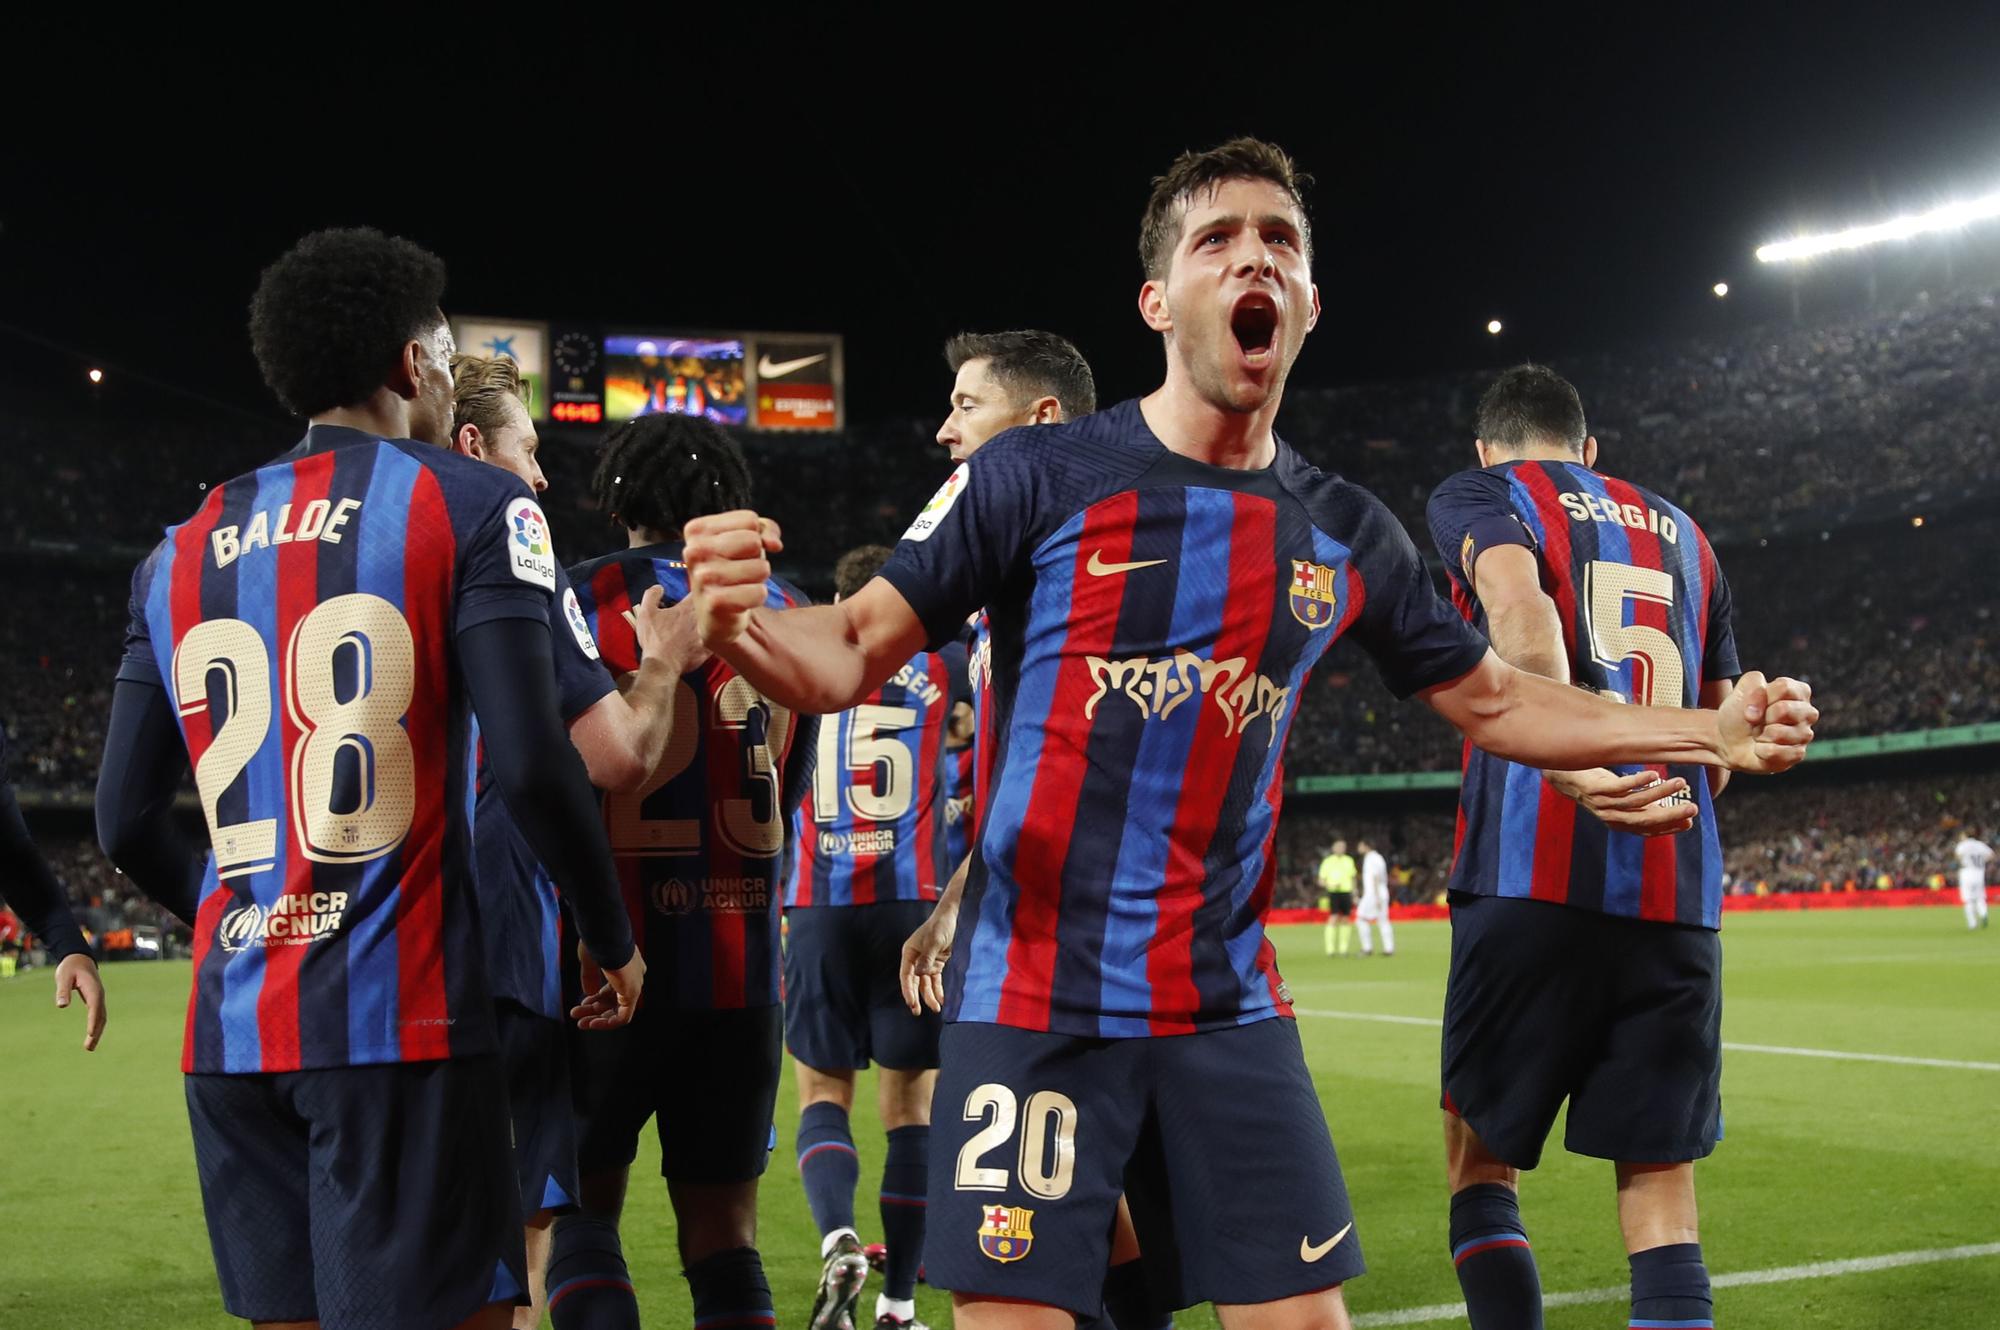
x=1535, y=721
x=813, y=659
x=1528, y=635
x=649, y=711
x=819, y=659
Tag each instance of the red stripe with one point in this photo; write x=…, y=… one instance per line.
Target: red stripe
x=611, y=593
x=298, y=593
x=725, y=757
x=1246, y=623
x=1555, y=832
x=1494, y=1245
x=1709, y=574
x=190, y=549
x=1050, y=822
x=930, y=799
x=1260, y=899
x=1556, y=577
x=1659, y=869
x=428, y=575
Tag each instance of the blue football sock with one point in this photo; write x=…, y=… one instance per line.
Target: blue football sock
x=589, y=1287
x=828, y=1165
x=905, y=1182
x=730, y=1291
x=1670, y=1289
x=1496, y=1266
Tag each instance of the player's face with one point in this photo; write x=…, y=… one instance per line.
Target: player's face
x=1238, y=299
x=979, y=410
x=430, y=410
x=514, y=447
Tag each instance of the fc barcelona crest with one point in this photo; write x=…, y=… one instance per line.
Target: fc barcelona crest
x=1313, y=593
x=1005, y=1233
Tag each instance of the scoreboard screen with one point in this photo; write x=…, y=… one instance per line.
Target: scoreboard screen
x=678, y=376
x=578, y=375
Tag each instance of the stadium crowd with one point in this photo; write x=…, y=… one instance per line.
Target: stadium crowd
x=1777, y=838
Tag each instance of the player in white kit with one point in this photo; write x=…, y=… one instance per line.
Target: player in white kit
x=1374, y=906
x=1973, y=856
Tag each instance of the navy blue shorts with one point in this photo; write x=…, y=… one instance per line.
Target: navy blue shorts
x=380, y=1196
x=1622, y=1018
x=534, y=1051
x=1217, y=1138
x=843, y=998
x=708, y=1079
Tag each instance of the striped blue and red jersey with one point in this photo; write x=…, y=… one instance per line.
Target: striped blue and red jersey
x=520, y=908
x=700, y=847
x=303, y=624
x=967, y=775
x=1154, y=620
x=873, y=827
x=1645, y=617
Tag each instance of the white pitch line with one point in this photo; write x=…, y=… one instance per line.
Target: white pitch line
x=1830, y=1053
x=1784, y=1274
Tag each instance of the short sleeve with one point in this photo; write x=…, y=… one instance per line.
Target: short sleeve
x=139, y=664
x=1469, y=514
x=582, y=679
x=507, y=565
x=1416, y=639
x=1719, y=660
x=962, y=546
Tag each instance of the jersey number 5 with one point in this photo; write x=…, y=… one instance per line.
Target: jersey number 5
x=1658, y=674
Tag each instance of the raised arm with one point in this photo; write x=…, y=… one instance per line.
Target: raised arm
x=816, y=659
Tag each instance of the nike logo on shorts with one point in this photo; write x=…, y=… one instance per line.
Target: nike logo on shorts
x=1309, y=1253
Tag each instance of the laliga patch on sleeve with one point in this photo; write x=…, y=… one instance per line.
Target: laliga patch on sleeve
x=932, y=517
x=573, y=611
x=530, y=552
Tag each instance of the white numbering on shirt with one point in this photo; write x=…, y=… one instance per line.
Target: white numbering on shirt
x=738, y=819
x=1659, y=676
x=362, y=732
x=880, y=773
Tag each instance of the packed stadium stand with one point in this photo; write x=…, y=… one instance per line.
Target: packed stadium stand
x=1799, y=448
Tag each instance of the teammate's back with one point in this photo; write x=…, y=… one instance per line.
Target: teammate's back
x=1645, y=615
x=873, y=827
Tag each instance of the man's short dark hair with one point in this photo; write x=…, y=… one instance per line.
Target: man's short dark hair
x=1531, y=405
x=664, y=471
x=857, y=567
x=331, y=317
x=1030, y=363
x=1197, y=172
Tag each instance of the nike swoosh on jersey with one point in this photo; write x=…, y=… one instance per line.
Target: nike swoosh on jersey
x=1309, y=1253
x=768, y=368
x=1097, y=567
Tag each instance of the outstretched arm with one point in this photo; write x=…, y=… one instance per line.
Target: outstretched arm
x=1760, y=727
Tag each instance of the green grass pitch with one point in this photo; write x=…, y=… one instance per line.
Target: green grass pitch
x=1824, y=1160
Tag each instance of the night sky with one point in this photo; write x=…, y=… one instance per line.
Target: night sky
x=1585, y=182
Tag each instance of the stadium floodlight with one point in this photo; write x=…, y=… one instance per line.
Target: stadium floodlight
x=1721, y=289
x=1493, y=327
x=1951, y=217
x=97, y=376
